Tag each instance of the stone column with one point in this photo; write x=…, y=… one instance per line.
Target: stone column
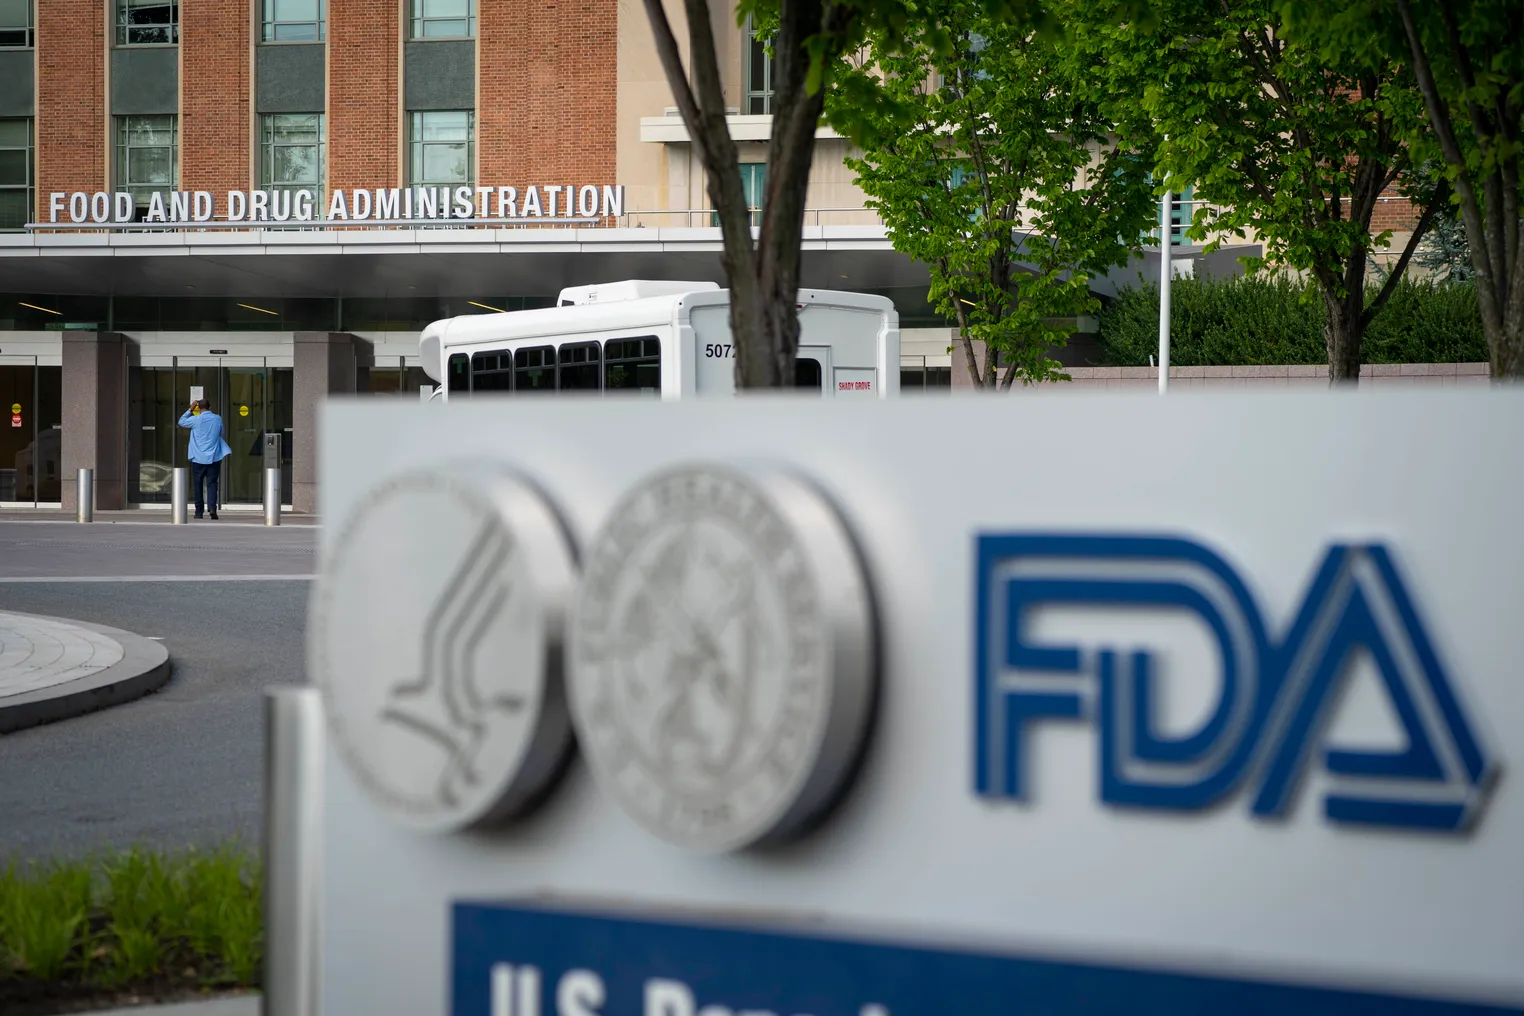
x=324, y=364
x=95, y=416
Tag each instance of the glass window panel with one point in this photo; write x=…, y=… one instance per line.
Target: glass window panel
x=294, y=165
x=758, y=65
x=298, y=32
x=146, y=22
x=443, y=8
x=632, y=365
x=758, y=73
x=13, y=167
x=293, y=128
x=14, y=207
x=15, y=13
x=807, y=373
x=14, y=132
x=294, y=10
x=580, y=369
x=444, y=126
x=444, y=163
x=153, y=166
x=458, y=374
x=148, y=130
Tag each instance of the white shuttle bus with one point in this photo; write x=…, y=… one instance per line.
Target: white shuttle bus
x=670, y=339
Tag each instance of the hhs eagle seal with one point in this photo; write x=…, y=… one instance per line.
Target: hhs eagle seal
x=436, y=638
x=723, y=657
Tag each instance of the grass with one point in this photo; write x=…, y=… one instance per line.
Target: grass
x=139, y=921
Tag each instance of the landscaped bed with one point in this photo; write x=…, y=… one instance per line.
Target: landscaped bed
x=128, y=928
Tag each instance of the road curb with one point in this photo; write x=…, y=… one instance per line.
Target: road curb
x=143, y=668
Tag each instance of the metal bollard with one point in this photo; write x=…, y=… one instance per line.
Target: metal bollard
x=293, y=849
x=272, y=497
x=86, y=491
x=179, y=495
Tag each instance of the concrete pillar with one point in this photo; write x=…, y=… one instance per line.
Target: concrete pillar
x=95, y=416
x=324, y=364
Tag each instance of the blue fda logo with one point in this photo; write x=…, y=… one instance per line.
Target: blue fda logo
x=1275, y=696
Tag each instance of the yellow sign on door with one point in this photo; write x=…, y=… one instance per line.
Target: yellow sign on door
x=243, y=410
x=15, y=407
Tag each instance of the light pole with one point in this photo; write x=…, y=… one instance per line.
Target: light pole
x=1166, y=239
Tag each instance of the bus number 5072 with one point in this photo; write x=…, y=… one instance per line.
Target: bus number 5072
x=717, y=349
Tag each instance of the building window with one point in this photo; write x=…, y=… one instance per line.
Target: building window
x=753, y=185
x=16, y=24
x=147, y=157
x=443, y=148
x=759, y=73
x=147, y=22
x=443, y=19
x=1180, y=206
x=291, y=151
x=17, y=173
x=293, y=21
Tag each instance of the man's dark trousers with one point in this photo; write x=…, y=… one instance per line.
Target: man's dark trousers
x=209, y=473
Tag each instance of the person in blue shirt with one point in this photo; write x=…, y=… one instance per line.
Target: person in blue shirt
x=207, y=450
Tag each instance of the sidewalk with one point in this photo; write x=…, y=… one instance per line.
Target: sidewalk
x=239, y=516
x=52, y=668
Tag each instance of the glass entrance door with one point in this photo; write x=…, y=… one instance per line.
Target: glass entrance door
x=252, y=398
x=31, y=418
x=245, y=411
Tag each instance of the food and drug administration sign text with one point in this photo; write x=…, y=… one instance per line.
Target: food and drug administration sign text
x=101, y=209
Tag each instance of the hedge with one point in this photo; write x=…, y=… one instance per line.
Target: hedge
x=1276, y=319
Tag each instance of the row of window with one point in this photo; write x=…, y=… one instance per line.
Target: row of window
x=618, y=365
x=441, y=150
x=157, y=22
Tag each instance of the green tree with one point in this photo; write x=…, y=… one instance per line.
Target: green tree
x=1467, y=59
x=1275, y=136
x=991, y=164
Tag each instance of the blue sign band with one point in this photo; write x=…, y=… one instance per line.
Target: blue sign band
x=525, y=960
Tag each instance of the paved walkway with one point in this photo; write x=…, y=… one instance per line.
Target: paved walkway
x=239, y=516
x=52, y=668
x=37, y=653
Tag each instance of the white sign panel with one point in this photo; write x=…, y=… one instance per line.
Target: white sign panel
x=1213, y=705
x=198, y=393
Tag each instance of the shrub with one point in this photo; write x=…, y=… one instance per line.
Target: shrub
x=1277, y=319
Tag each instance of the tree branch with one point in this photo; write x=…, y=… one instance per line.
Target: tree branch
x=1441, y=195
x=1444, y=129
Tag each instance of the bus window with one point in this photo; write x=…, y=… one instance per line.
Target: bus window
x=807, y=373
x=632, y=364
x=458, y=376
x=492, y=372
x=534, y=369
x=579, y=367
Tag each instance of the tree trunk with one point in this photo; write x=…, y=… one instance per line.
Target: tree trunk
x=1507, y=342
x=763, y=275
x=1343, y=330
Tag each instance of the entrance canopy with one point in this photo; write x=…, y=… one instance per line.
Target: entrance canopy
x=337, y=263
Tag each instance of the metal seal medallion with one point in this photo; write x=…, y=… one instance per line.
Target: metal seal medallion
x=436, y=634
x=723, y=663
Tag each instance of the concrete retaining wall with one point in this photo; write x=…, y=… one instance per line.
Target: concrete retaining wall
x=1381, y=375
